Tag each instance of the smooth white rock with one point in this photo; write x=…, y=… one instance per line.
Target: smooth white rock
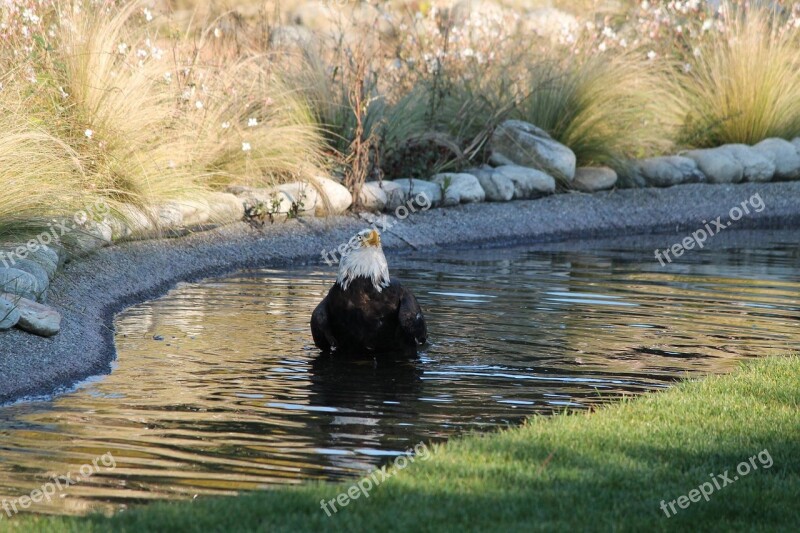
x=528, y=182
x=755, y=167
x=35, y=270
x=668, y=171
x=372, y=196
x=45, y=257
x=459, y=188
x=300, y=197
x=282, y=199
x=34, y=317
x=224, y=208
x=499, y=160
x=412, y=187
x=337, y=199
x=87, y=237
x=169, y=216
x=498, y=188
x=9, y=314
x=45, y=251
x=719, y=166
x=395, y=195
x=783, y=155
x=19, y=282
x=521, y=143
x=193, y=212
x=593, y=179
x=132, y=221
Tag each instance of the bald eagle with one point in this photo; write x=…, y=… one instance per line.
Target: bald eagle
x=366, y=312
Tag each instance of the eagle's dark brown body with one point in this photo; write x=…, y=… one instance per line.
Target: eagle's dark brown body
x=361, y=320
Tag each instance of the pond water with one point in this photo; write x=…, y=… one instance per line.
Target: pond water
x=218, y=388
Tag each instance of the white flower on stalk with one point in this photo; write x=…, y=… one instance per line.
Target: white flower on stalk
x=246, y=147
x=168, y=77
x=148, y=15
x=226, y=125
x=29, y=16
x=651, y=55
x=88, y=133
x=252, y=122
x=198, y=104
x=602, y=46
x=122, y=48
x=217, y=33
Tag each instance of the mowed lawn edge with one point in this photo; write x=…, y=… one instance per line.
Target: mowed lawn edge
x=605, y=470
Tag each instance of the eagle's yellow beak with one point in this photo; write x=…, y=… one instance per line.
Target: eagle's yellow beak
x=374, y=238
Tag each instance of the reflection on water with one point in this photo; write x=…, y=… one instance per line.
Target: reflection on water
x=218, y=387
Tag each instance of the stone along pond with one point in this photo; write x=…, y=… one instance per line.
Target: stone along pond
x=218, y=388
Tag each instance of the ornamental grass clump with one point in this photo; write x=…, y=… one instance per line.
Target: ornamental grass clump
x=605, y=107
x=744, y=86
x=127, y=108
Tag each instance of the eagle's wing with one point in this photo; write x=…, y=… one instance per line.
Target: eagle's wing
x=320, y=327
x=412, y=321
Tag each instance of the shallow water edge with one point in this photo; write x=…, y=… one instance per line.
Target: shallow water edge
x=92, y=291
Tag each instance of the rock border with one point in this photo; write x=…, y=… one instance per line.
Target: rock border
x=528, y=164
x=88, y=293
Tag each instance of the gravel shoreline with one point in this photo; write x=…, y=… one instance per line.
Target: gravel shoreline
x=89, y=292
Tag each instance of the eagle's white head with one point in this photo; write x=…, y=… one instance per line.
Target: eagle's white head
x=364, y=258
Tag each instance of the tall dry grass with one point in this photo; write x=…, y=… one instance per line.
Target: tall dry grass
x=118, y=112
x=140, y=116
x=103, y=100
x=40, y=178
x=606, y=108
x=745, y=85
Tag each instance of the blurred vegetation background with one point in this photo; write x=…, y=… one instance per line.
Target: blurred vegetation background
x=142, y=102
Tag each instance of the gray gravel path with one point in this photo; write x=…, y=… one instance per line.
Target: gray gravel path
x=91, y=291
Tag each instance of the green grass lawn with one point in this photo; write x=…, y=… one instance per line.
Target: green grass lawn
x=608, y=470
